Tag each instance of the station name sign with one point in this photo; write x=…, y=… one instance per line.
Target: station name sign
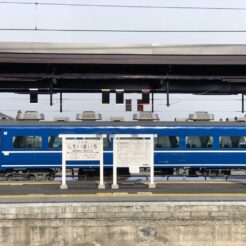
x=82, y=149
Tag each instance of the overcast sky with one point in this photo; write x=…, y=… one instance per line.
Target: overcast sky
x=75, y=22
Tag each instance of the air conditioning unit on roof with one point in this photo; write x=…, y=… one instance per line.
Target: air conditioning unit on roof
x=29, y=115
x=61, y=118
x=117, y=119
x=146, y=116
x=88, y=116
x=201, y=116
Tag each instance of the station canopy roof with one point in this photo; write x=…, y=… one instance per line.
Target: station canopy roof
x=77, y=67
x=122, y=53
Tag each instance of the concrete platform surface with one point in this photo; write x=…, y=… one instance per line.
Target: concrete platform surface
x=87, y=191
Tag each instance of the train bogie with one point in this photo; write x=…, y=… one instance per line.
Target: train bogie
x=27, y=175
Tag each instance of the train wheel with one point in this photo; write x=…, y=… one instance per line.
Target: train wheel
x=10, y=178
x=31, y=178
x=49, y=178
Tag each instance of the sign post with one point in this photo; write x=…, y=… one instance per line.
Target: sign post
x=82, y=147
x=133, y=151
x=115, y=186
x=64, y=159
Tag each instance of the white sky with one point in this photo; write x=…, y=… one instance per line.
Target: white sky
x=219, y=15
x=181, y=105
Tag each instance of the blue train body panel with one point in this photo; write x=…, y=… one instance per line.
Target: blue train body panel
x=44, y=157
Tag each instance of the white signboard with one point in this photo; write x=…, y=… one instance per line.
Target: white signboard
x=82, y=149
x=134, y=152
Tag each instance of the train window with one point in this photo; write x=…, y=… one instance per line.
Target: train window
x=166, y=142
x=232, y=142
x=106, y=143
x=199, y=142
x=27, y=142
x=54, y=142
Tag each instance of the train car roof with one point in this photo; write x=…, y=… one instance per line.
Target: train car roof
x=122, y=123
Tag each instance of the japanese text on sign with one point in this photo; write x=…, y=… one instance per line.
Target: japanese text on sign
x=133, y=152
x=86, y=149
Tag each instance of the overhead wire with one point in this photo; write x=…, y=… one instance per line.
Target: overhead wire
x=36, y=3
x=122, y=5
x=119, y=30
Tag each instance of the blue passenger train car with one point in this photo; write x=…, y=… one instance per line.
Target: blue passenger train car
x=33, y=149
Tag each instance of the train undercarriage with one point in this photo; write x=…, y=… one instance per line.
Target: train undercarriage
x=27, y=175
x=93, y=173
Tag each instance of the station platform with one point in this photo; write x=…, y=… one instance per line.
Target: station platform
x=87, y=191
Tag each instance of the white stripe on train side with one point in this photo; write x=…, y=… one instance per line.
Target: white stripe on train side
x=30, y=151
x=5, y=152
x=157, y=165
x=200, y=151
x=53, y=165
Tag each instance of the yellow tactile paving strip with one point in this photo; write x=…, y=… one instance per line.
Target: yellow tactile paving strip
x=122, y=195
x=30, y=183
x=157, y=182
x=197, y=182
